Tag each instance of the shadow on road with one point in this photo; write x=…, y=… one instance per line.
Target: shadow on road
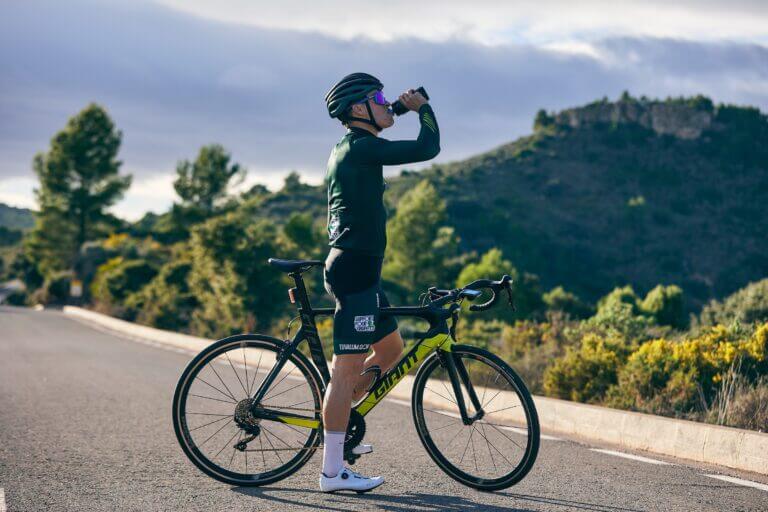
x=579, y=505
x=410, y=502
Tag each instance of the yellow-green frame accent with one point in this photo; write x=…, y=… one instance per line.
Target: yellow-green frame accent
x=411, y=360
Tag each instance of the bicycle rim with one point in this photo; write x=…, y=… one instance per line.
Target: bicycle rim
x=224, y=376
x=493, y=452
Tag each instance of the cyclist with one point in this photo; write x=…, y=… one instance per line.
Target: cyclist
x=357, y=236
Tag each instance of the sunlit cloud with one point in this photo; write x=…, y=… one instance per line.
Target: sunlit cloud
x=496, y=22
x=173, y=81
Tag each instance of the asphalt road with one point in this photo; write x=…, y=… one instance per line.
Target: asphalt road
x=85, y=424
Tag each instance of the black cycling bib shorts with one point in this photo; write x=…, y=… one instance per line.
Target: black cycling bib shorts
x=353, y=278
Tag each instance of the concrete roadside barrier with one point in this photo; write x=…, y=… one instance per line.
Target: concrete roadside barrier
x=730, y=447
x=185, y=342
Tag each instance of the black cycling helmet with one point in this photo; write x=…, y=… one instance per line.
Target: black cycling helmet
x=350, y=90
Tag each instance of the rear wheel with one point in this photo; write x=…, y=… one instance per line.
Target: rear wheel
x=499, y=446
x=212, y=419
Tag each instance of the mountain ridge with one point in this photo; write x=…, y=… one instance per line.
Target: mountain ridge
x=635, y=191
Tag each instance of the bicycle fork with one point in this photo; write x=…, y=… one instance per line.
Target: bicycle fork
x=457, y=373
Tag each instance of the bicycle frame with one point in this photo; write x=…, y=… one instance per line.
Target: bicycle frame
x=438, y=338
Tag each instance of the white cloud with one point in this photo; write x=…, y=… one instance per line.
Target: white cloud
x=155, y=193
x=173, y=82
x=496, y=21
x=18, y=191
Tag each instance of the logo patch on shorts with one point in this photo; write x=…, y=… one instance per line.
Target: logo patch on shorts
x=364, y=323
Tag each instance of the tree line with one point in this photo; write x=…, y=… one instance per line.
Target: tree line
x=201, y=268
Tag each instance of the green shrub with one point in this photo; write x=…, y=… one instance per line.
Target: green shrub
x=54, y=291
x=584, y=374
x=748, y=305
x=57, y=287
x=678, y=378
x=665, y=305
x=237, y=290
x=17, y=298
x=619, y=313
x=525, y=288
x=531, y=347
x=115, y=280
x=166, y=301
x=558, y=299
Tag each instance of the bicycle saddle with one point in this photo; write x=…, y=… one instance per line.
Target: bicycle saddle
x=292, y=266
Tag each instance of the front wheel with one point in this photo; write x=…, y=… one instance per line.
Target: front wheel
x=498, y=444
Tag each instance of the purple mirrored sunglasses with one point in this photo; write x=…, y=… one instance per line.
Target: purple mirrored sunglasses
x=377, y=97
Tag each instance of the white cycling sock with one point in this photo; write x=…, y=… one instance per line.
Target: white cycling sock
x=333, y=453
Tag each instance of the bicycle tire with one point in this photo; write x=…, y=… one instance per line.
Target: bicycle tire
x=183, y=434
x=517, y=385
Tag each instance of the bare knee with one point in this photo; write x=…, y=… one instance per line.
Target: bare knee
x=389, y=350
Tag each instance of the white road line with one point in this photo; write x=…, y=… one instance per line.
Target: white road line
x=739, y=481
x=633, y=457
x=516, y=430
x=2, y=500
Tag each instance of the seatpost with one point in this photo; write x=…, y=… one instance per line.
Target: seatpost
x=301, y=292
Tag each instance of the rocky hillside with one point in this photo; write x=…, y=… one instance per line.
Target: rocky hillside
x=634, y=191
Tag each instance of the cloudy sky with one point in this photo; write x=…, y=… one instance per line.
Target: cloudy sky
x=251, y=75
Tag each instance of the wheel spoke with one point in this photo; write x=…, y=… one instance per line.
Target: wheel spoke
x=440, y=395
x=438, y=412
x=503, y=434
x=492, y=398
x=258, y=367
x=263, y=460
x=293, y=405
x=231, y=395
x=490, y=453
x=504, y=409
x=217, y=389
x=449, y=392
x=225, y=445
x=222, y=428
x=278, y=438
x=211, y=423
x=236, y=374
x=278, y=383
x=497, y=450
x=445, y=426
x=465, y=448
x=211, y=398
x=287, y=390
x=248, y=391
x=266, y=436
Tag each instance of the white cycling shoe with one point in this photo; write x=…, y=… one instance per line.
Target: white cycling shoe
x=348, y=480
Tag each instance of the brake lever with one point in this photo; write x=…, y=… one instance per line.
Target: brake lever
x=454, y=321
x=509, y=297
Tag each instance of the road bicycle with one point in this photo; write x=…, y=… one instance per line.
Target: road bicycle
x=472, y=412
